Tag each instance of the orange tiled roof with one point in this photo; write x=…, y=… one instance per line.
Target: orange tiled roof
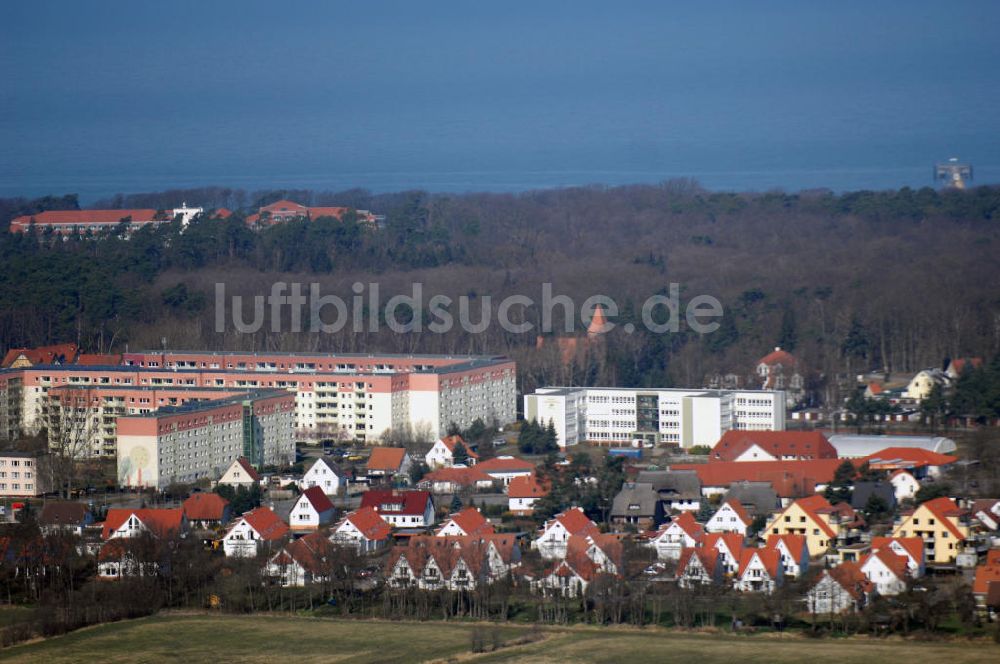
x=85, y=217
x=526, y=486
x=310, y=552
x=708, y=557
x=812, y=506
x=159, y=522
x=907, y=457
x=576, y=522
x=386, y=459
x=471, y=521
x=43, y=354
x=732, y=541
x=505, y=465
x=98, y=360
x=942, y=508
x=458, y=475
x=451, y=441
x=914, y=546
x=959, y=363
x=318, y=499
x=790, y=479
x=851, y=578
x=770, y=558
x=778, y=356
x=894, y=563
x=985, y=575
x=809, y=444
x=597, y=321
x=686, y=522
x=205, y=507
x=372, y=526
x=267, y=524
x=794, y=543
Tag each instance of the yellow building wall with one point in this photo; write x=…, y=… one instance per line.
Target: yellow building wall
x=795, y=521
x=925, y=525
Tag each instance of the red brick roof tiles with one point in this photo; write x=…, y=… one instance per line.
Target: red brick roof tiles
x=505, y=465
x=576, y=522
x=790, y=479
x=205, y=507
x=386, y=459
x=410, y=503
x=471, y=521
x=894, y=563
x=319, y=500
x=851, y=578
x=372, y=526
x=907, y=457
x=914, y=546
x=770, y=558
x=807, y=444
x=159, y=522
x=526, y=486
x=778, y=356
x=266, y=523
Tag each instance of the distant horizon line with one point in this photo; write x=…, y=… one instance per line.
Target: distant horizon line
x=89, y=198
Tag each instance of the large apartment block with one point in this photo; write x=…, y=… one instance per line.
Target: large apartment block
x=354, y=397
x=609, y=415
x=11, y=398
x=202, y=438
x=82, y=420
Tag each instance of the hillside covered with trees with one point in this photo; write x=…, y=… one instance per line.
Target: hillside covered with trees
x=891, y=281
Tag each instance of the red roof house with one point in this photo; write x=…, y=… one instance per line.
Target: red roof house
x=161, y=523
x=206, y=509
x=736, y=445
x=468, y=522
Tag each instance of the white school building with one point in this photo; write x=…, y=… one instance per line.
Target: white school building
x=613, y=415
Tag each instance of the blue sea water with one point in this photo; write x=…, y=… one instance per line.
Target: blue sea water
x=107, y=97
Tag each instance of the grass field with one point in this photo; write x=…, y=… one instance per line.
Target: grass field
x=264, y=639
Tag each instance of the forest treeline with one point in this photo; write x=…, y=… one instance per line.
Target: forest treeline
x=892, y=281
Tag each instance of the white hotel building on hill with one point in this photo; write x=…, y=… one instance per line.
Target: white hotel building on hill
x=611, y=415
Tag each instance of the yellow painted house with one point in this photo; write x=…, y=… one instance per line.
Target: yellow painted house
x=813, y=518
x=941, y=524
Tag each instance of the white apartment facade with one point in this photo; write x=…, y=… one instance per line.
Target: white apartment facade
x=614, y=416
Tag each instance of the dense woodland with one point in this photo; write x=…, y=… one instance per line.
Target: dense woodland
x=891, y=281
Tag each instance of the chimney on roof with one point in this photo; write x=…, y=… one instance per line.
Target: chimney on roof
x=777, y=348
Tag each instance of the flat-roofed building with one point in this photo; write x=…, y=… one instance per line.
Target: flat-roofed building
x=200, y=440
x=354, y=397
x=82, y=420
x=11, y=398
x=612, y=415
x=25, y=474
